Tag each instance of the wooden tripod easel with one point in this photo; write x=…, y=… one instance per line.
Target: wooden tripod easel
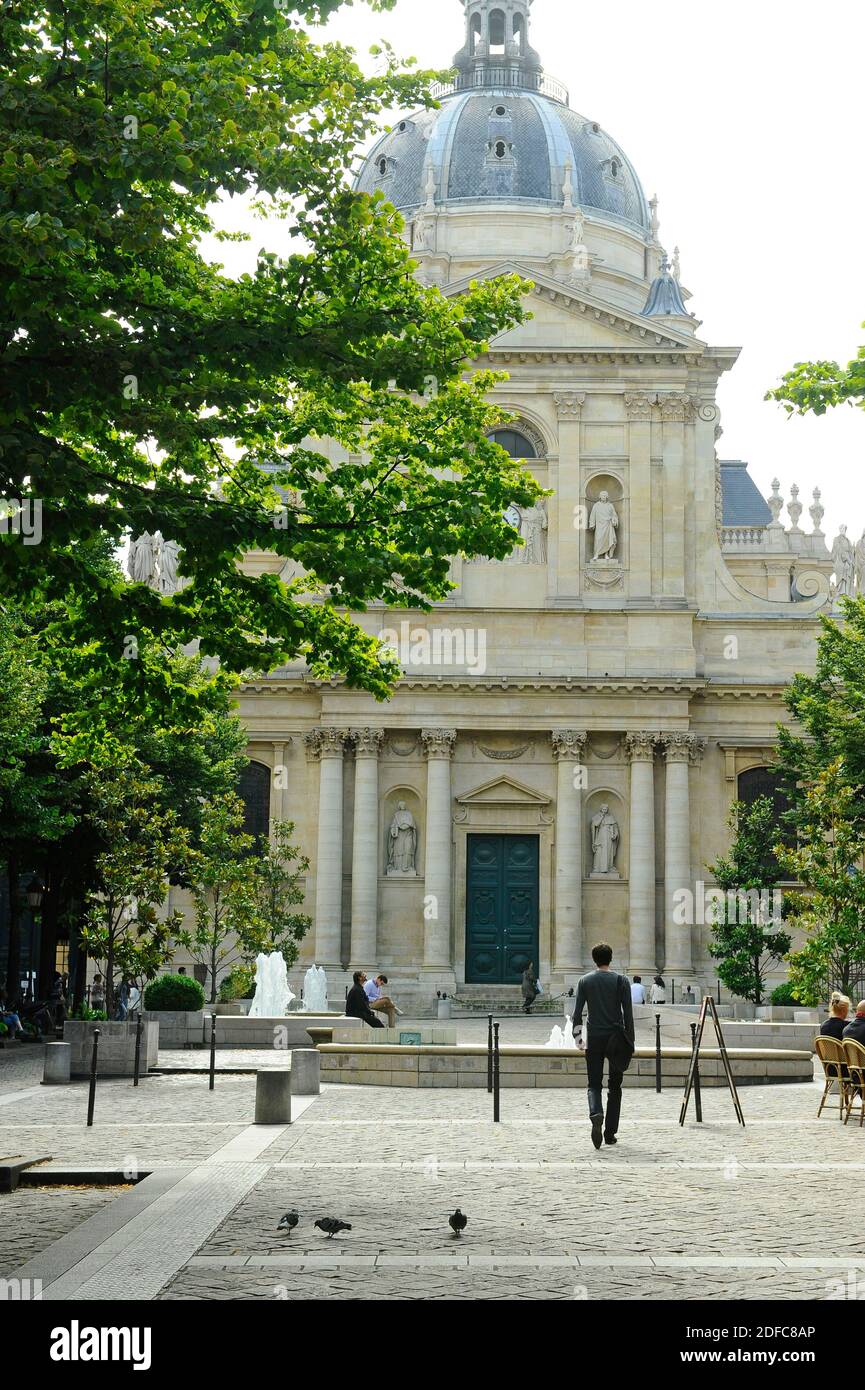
x=709, y=1004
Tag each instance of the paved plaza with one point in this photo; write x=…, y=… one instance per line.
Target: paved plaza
x=706, y=1212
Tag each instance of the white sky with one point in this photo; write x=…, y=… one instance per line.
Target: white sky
x=745, y=118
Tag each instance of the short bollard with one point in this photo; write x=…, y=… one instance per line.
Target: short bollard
x=212, y=1053
x=91, y=1099
x=273, y=1097
x=138, y=1028
x=698, y=1100
x=305, y=1071
x=58, y=1064
x=658, y=1053
x=497, y=1108
x=490, y=1056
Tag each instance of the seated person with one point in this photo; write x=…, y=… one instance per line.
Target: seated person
x=839, y=1008
x=382, y=1003
x=357, y=1004
x=638, y=993
x=855, y=1031
x=10, y=1018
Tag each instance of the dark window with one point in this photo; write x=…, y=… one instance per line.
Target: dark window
x=501, y=110
x=254, y=792
x=497, y=31
x=501, y=149
x=614, y=168
x=761, y=781
x=382, y=166
x=515, y=444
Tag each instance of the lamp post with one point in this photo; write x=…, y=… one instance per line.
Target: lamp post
x=34, y=894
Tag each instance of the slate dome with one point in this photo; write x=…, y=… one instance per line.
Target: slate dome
x=504, y=133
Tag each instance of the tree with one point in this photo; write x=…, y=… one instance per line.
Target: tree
x=228, y=925
x=747, y=935
x=828, y=861
x=126, y=930
x=144, y=389
x=815, y=387
x=279, y=867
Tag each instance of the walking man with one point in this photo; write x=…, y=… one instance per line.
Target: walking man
x=607, y=996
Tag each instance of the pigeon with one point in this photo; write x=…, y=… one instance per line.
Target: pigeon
x=458, y=1222
x=288, y=1222
x=331, y=1225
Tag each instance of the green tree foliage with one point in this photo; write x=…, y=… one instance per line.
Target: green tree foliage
x=279, y=873
x=747, y=934
x=812, y=388
x=142, y=388
x=127, y=931
x=828, y=861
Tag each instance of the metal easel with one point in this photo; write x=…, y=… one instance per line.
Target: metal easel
x=709, y=1005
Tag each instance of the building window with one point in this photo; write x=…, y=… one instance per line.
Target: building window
x=761, y=781
x=254, y=791
x=615, y=166
x=519, y=32
x=476, y=32
x=497, y=31
x=501, y=149
x=515, y=444
x=382, y=166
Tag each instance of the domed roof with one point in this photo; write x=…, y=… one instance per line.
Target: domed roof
x=504, y=133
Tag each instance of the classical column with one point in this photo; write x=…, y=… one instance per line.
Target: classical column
x=680, y=750
x=569, y=748
x=639, y=408
x=365, y=848
x=438, y=746
x=676, y=407
x=326, y=747
x=570, y=521
x=641, y=868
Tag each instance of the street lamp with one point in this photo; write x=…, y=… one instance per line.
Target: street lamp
x=34, y=895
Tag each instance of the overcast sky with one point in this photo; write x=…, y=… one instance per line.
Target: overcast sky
x=746, y=119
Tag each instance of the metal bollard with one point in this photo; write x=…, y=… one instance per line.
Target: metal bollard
x=672, y=991
x=91, y=1098
x=212, y=1053
x=490, y=1056
x=658, y=1053
x=698, y=1101
x=719, y=991
x=497, y=1109
x=138, y=1029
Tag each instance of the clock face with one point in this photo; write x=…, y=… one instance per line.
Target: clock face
x=513, y=516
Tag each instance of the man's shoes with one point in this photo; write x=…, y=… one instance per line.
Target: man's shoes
x=610, y=1139
x=597, y=1128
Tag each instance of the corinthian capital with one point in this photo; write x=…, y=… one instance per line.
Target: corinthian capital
x=569, y=745
x=438, y=743
x=638, y=405
x=367, y=742
x=570, y=404
x=677, y=405
x=325, y=743
x=683, y=748
x=641, y=747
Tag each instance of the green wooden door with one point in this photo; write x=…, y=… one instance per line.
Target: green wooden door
x=501, y=907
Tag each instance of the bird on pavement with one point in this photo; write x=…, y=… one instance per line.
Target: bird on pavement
x=288, y=1222
x=458, y=1222
x=331, y=1225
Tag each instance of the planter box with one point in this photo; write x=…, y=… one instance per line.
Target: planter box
x=116, y=1047
x=235, y=1008
x=177, y=1028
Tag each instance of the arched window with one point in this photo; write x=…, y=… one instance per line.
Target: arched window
x=497, y=31
x=382, y=166
x=761, y=781
x=514, y=443
x=254, y=791
x=476, y=32
x=615, y=168
x=519, y=32
x=501, y=149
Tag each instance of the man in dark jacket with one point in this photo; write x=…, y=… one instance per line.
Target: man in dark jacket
x=855, y=1030
x=607, y=996
x=357, y=1004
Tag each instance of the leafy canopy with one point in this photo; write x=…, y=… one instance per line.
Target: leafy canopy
x=143, y=389
x=748, y=938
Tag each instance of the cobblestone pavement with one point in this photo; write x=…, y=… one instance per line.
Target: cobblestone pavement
x=21, y=1065
x=707, y=1211
x=32, y=1217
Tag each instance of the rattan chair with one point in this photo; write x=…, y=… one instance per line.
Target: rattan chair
x=855, y=1056
x=832, y=1055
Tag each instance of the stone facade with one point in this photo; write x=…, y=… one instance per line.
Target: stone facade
x=643, y=673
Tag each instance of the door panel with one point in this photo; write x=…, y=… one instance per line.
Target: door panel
x=501, y=907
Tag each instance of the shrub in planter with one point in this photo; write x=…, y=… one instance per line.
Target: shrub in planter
x=4, y=1030
x=174, y=994
x=87, y=1015
x=784, y=997
x=238, y=984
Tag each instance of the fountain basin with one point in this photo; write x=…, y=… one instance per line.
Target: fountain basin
x=283, y=1033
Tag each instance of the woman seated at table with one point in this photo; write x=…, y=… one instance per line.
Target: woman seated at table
x=839, y=1008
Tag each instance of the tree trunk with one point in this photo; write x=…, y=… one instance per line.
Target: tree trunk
x=13, y=962
x=48, y=940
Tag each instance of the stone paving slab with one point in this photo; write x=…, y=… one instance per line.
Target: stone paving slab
x=32, y=1218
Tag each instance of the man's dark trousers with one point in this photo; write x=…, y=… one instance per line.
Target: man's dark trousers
x=596, y=1055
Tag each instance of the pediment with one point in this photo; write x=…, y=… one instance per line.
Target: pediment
x=503, y=791
x=570, y=319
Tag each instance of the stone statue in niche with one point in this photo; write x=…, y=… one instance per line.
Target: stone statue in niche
x=402, y=842
x=532, y=524
x=605, y=844
x=604, y=521
x=844, y=561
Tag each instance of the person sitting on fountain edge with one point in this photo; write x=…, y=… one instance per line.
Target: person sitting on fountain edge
x=357, y=1004
x=608, y=999
x=381, y=1002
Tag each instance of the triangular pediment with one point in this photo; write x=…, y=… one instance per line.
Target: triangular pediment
x=568, y=318
x=503, y=791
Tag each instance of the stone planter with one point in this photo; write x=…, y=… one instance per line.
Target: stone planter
x=235, y=1008
x=116, y=1047
x=177, y=1028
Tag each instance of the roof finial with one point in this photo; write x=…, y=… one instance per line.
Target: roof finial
x=431, y=189
x=677, y=265
x=568, y=186
x=656, y=223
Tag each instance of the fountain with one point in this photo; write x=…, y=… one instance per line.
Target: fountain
x=273, y=995
x=315, y=990
x=563, y=1037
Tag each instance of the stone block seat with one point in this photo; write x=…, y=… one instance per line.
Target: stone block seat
x=286, y=1033
x=369, y=1064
